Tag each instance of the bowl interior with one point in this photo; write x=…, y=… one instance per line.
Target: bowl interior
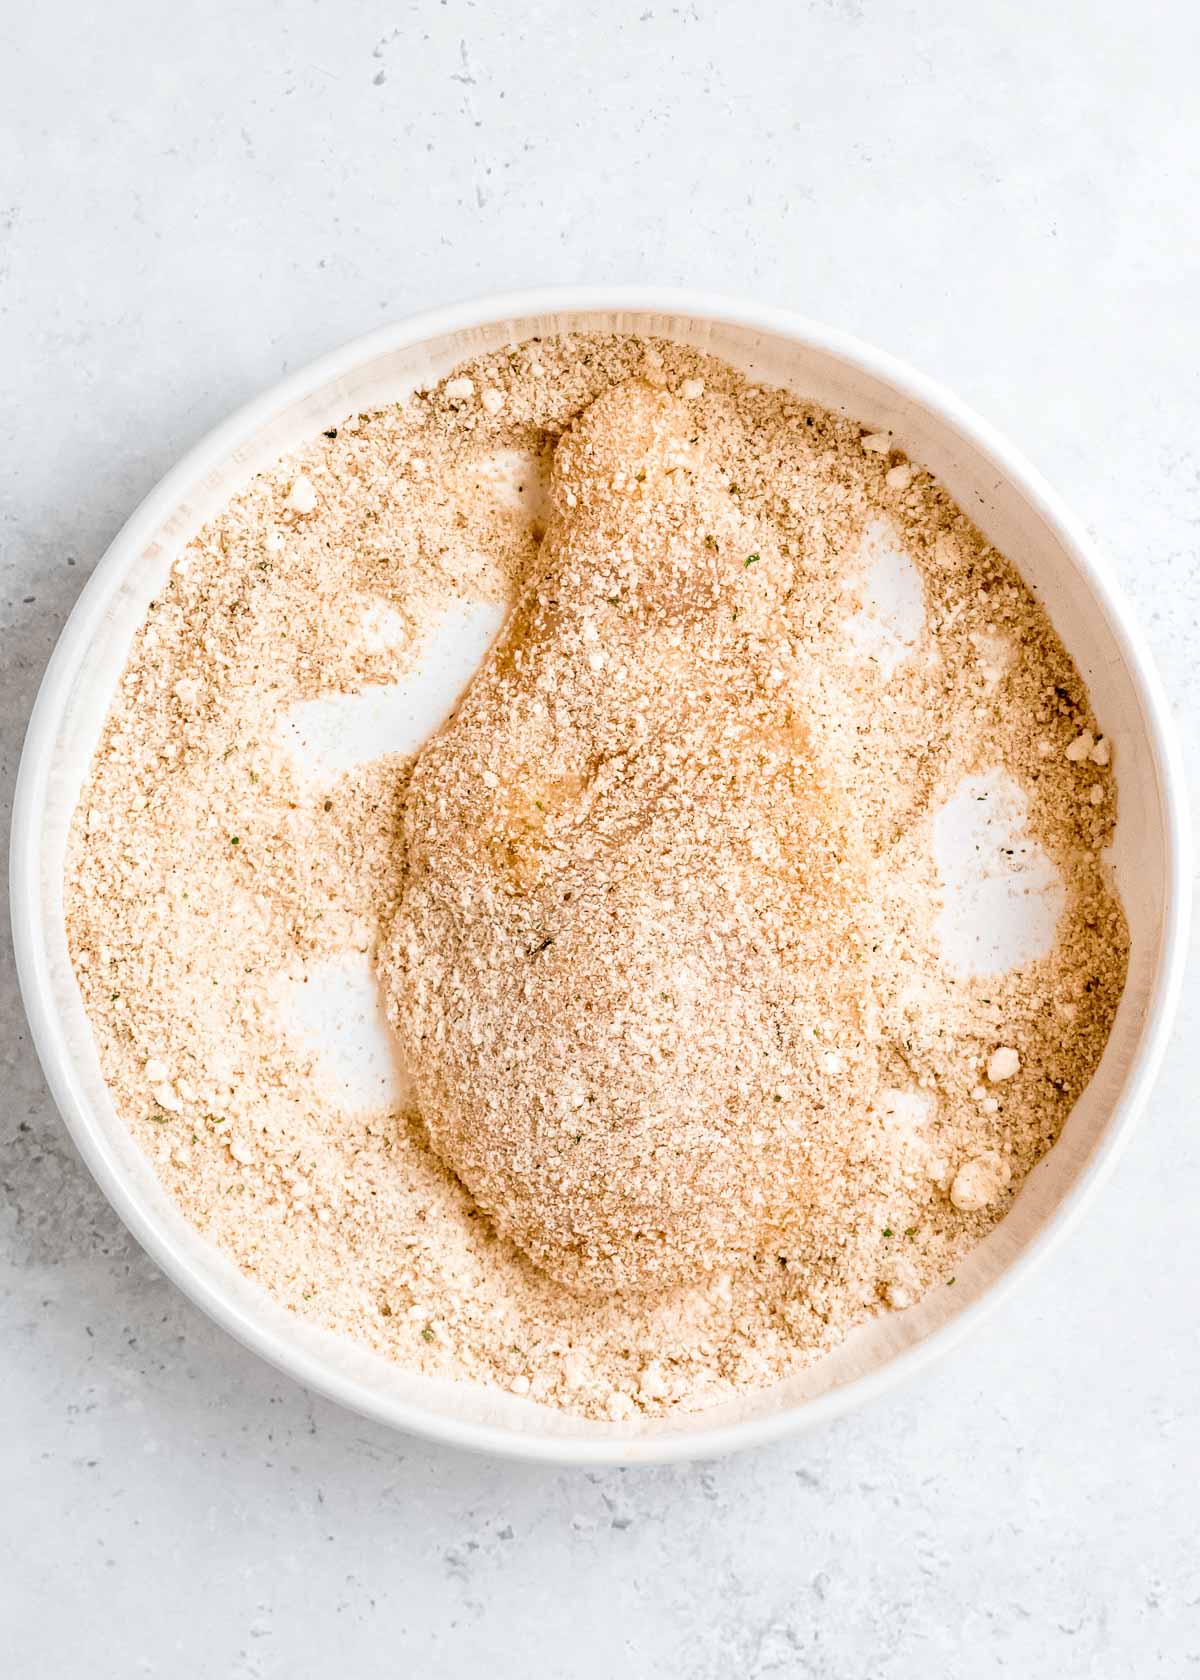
x=76, y=700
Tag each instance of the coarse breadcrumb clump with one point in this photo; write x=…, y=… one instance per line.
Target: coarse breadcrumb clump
x=697, y=891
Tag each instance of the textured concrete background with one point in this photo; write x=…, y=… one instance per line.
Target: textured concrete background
x=194, y=198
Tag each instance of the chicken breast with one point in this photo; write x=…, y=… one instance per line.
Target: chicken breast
x=627, y=970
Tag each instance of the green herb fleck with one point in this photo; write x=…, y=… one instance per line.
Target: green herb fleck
x=950, y=1281
x=887, y=1230
x=777, y=1097
x=614, y=600
x=427, y=1334
x=734, y=490
x=710, y=542
x=159, y=1119
x=910, y=1230
x=736, y=610
x=750, y=560
x=115, y=998
x=234, y=841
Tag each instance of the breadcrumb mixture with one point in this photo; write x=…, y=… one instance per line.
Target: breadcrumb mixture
x=657, y=915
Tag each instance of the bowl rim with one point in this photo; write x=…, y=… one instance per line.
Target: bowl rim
x=32, y=962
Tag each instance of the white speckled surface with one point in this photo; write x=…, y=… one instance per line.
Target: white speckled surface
x=193, y=199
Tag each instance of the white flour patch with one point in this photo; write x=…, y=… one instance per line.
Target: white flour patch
x=891, y=619
x=329, y=736
x=335, y=1010
x=1003, y=894
x=516, y=479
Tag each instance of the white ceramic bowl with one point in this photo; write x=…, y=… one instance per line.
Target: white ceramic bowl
x=1015, y=509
